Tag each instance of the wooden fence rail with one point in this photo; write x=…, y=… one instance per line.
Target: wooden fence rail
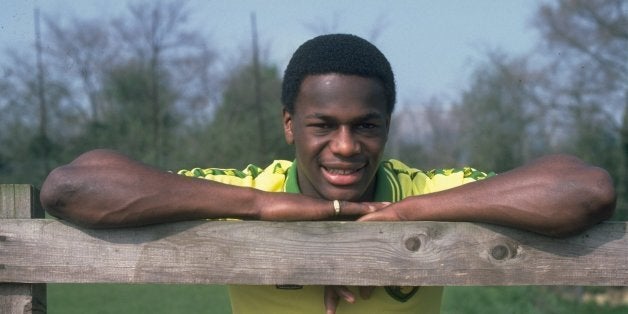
x=38, y=251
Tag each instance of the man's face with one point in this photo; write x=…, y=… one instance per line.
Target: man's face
x=339, y=128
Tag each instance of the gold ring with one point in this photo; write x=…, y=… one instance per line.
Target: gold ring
x=336, y=207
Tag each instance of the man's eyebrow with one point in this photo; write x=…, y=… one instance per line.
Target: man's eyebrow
x=367, y=116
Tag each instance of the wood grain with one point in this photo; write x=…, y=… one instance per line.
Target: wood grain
x=308, y=253
x=20, y=201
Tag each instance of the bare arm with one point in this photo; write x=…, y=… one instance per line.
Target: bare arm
x=555, y=195
x=102, y=188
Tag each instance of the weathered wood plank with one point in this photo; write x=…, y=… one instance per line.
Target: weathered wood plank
x=20, y=201
x=350, y=253
x=19, y=298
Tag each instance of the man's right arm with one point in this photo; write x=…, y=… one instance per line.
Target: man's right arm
x=103, y=188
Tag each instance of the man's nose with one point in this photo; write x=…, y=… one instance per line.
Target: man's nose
x=344, y=142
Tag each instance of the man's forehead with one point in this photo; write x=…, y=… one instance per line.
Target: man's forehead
x=332, y=86
x=329, y=77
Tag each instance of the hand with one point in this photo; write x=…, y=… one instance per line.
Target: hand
x=334, y=293
x=285, y=207
x=386, y=213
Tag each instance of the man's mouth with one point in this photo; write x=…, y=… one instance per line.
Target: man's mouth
x=342, y=176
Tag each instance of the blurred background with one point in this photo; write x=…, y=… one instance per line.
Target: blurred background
x=181, y=84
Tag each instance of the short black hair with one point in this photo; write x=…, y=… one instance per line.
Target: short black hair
x=337, y=53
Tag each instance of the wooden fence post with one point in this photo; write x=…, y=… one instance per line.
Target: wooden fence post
x=20, y=201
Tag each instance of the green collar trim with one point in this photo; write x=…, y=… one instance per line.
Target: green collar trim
x=387, y=187
x=292, y=183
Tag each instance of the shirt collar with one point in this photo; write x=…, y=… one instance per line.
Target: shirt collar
x=292, y=184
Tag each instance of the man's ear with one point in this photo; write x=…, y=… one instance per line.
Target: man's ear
x=287, y=127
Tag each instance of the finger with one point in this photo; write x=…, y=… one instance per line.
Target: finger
x=345, y=293
x=331, y=300
x=359, y=209
x=386, y=215
x=365, y=292
x=376, y=206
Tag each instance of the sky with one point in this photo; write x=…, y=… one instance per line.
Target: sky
x=432, y=46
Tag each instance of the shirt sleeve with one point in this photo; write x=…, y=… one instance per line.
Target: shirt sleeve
x=413, y=181
x=269, y=179
x=442, y=179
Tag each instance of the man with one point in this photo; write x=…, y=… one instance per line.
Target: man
x=338, y=96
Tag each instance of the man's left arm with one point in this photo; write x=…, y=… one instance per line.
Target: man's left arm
x=556, y=195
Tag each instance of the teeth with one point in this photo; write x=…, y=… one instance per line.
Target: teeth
x=341, y=171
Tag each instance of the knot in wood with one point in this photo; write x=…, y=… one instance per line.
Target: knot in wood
x=500, y=252
x=413, y=243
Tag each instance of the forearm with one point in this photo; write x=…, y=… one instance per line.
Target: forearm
x=556, y=195
x=103, y=189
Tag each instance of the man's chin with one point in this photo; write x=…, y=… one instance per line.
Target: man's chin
x=351, y=195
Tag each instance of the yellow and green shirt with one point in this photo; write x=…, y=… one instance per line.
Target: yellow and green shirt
x=394, y=182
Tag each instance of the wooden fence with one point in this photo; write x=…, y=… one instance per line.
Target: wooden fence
x=37, y=251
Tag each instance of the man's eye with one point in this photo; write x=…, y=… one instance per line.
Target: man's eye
x=322, y=125
x=367, y=126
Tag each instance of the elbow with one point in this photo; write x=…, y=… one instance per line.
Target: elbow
x=65, y=193
x=598, y=205
x=59, y=196
x=596, y=192
x=55, y=191
x=603, y=196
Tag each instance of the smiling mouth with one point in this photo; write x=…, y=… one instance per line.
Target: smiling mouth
x=342, y=176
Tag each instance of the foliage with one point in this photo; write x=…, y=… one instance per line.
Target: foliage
x=497, y=116
x=245, y=128
x=426, y=136
x=589, y=80
x=570, y=96
x=130, y=83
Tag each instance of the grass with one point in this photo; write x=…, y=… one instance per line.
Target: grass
x=518, y=300
x=173, y=299
x=136, y=299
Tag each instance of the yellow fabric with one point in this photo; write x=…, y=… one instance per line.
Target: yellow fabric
x=395, y=181
x=271, y=178
x=413, y=181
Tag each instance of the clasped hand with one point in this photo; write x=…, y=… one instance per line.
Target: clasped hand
x=294, y=207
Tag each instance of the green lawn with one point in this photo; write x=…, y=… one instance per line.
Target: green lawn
x=517, y=300
x=136, y=299
x=172, y=299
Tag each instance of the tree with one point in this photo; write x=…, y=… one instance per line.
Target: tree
x=426, y=135
x=137, y=82
x=156, y=38
x=589, y=78
x=26, y=152
x=233, y=138
x=86, y=48
x=126, y=89
x=498, y=116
